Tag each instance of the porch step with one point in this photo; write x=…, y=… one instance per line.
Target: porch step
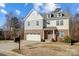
x=47, y=40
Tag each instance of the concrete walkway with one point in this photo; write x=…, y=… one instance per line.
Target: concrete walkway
x=5, y=48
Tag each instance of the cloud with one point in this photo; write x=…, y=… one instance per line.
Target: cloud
x=2, y=5
x=18, y=12
x=45, y=7
x=37, y=6
x=78, y=9
x=3, y=11
x=25, y=4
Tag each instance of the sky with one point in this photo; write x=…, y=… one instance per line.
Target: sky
x=22, y=9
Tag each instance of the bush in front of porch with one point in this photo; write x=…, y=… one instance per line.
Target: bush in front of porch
x=67, y=39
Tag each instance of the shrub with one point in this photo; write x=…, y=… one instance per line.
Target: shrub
x=53, y=40
x=42, y=40
x=67, y=39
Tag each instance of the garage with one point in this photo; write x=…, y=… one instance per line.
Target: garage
x=33, y=37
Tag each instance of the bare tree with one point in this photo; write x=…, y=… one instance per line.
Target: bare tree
x=75, y=28
x=12, y=24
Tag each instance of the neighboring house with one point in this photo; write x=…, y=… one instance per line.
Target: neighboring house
x=54, y=25
x=1, y=34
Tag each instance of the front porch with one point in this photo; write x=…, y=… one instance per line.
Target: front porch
x=50, y=34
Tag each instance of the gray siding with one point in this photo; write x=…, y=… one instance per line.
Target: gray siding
x=33, y=24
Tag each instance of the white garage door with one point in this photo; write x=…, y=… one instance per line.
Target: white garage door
x=33, y=37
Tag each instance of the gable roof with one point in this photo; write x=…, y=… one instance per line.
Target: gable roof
x=32, y=10
x=44, y=16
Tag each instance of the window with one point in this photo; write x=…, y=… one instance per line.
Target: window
x=48, y=15
x=62, y=14
x=59, y=14
x=37, y=23
x=48, y=22
x=57, y=22
x=28, y=23
x=61, y=34
x=52, y=15
x=61, y=22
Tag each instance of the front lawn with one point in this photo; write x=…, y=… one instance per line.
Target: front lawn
x=48, y=49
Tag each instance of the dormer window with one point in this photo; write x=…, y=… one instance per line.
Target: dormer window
x=48, y=15
x=52, y=15
x=60, y=14
x=57, y=14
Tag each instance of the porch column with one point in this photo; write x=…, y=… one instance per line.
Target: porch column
x=54, y=34
x=43, y=40
x=43, y=34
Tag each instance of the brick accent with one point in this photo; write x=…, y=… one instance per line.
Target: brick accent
x=66, y=32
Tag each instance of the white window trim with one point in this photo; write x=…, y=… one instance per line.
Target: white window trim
x=28, y=23
x=58, y=15
x=60, y=34
x=49, y=16
x=59, y=21
x=37, y=23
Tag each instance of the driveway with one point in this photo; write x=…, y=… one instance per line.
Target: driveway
x=10, y=44
x=7, y=45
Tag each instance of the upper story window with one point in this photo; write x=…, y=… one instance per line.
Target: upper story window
x=37, y=23
x=48, y=15
x=48, y=22
x=28, y=23
x=61, y=22
x=57, y=22
x=60, y=14
x=52, y=15
x=57, y=14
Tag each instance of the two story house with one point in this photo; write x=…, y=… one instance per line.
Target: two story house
x=48, y=26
